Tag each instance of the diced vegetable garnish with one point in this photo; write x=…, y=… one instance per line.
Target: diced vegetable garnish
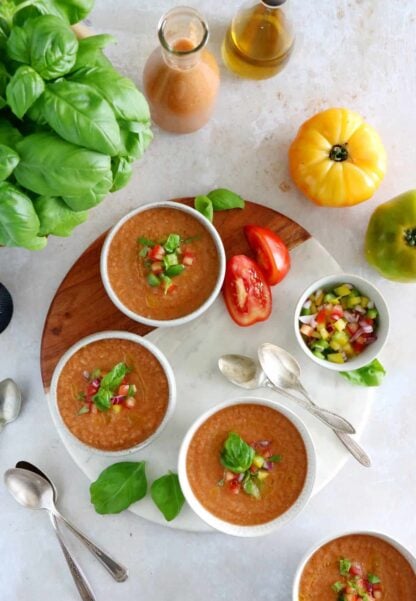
x=247, y=466
x=338, y=324
x=356, y=585
x=165, y=260
x=104, y=391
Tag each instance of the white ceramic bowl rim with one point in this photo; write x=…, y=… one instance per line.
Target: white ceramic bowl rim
x=372, y=351
x=114, y=334
x=157, y=323
x=381, y=535
x=261, y=529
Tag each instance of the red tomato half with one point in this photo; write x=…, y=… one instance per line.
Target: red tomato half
x=271, y=252
x=247, y=294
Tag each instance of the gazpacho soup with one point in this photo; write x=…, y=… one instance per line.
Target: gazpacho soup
x=163, y=263
x=112, y=394
x=247, y=464
x=357, y=567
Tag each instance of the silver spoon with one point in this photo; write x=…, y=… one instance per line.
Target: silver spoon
x=10, y=401
x=28, y=496
x=284, y=372
x=247, y=373
x=35, y=490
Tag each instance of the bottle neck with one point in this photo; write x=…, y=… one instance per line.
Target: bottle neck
x=183, y=34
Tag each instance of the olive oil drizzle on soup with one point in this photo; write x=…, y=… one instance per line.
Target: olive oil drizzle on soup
x=252, y=422
x=376, y=556
x=128, y=276
x=110, y=430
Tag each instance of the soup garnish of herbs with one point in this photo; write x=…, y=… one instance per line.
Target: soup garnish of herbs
x=356, y=585
x=105, y=391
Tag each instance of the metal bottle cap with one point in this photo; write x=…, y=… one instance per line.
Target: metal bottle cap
x=273, y=3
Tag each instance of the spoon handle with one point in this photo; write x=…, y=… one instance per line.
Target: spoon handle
x=80, y=580
x=117, y=571
x=354, y=448
x=334, y=421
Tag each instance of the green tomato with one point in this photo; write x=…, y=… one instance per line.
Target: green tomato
x=390, y=244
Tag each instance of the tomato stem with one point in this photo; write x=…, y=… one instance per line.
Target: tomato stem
x=410, y=236
x=339, y=153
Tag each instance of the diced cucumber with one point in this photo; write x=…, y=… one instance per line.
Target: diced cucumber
x=320, y=345
x=171, y=259
x=329, y=297
x=319, y=354
x=153, y=280
x=335, y=357
x=174, y=270
x=372, y=313
x=364, y=301
x=352, y=301
x=340, y=338
x=305, y=311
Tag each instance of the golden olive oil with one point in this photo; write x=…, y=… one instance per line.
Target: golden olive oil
x=258, y=42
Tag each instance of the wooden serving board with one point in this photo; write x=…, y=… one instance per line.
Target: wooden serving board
x=81, y=306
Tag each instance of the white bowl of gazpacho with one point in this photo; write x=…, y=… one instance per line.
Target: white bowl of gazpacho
x=114, y=392
x=341, y=322
x=163, y=264
x=247, y=466
x=356, y=566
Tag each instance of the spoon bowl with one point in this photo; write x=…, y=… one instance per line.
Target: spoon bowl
x=10, y=401
x=242, y=371
x=29, y=489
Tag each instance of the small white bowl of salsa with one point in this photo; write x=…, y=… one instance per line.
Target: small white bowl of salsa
x=163, y=264
x=341, y=322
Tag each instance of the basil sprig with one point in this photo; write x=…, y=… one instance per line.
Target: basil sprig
x=369, y=375
x=237, y=456
x=220, y=199
x=108, y=385
x=167, y=495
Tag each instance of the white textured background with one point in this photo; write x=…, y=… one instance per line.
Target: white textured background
x=357, y=54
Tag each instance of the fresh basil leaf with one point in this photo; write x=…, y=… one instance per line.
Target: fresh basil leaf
x=52, y=46
x=9, y=136
x=90, y=52
x=51, y=166
x=24, y=88
x=80, y=115
x=56, y=217
x=174, y=270
x=122, y=172
x=102, y=399
x=373, y=579
x=167, y=495
x=118, y=486
x=90, y=198
x=344, y=567
x=114, y=378
x=120, y=92
x=172, y=243
x=72, y=10
x=4, y=80
x=8, y=161
x=237, y=456
x=19, y=224
x=203, y=205
x=369, y=375
x=223, y=200
x=18, y=45
x=134, y=143
x=251, y=488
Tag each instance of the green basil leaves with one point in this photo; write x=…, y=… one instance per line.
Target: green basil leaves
x=109, y=385
x=369, y=375
x=217, y=200
x=237, y=456
x=23, y=89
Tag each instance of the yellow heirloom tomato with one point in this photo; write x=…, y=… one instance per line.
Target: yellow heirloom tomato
x=337, y=159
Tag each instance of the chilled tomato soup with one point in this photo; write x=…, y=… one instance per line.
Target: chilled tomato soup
x=247, y=464
x=358, y=567
x=163, y=264
x=112, y=394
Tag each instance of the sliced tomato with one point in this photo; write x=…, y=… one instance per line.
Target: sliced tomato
x=271, y=252
x=246, y=292
x=156, y=253
x=321, y=317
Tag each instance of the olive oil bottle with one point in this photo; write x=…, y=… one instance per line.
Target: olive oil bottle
x=259, y=40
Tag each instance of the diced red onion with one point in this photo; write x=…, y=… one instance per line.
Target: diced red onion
x=117, y=400
x=367, y=328
x=307, y=304
x=263, y=443
x=357, y=335
x=267, y=465
x=359, y=309
x=308, y=319
x=350, y=317
x=96, y=383
x=240, y=477
x=371, y=339
x=86, y=374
